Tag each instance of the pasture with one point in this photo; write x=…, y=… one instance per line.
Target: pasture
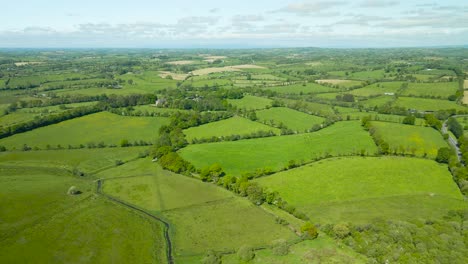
x=295, y=120
x=409, y=139
x=233, y=126
x=308, y=88
x=378, y=89
x=112, y=129
x=439, y=90
x=424, y=104
x=342, y=138
x=250, y=102
x=343, y=181
x=340, y=83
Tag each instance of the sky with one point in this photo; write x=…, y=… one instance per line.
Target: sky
x=232, y=24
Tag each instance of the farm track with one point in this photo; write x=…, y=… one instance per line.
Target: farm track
x=170, y=258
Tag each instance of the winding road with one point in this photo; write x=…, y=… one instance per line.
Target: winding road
x=170, y=258
x=452, y=140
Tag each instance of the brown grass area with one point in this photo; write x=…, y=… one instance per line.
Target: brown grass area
x=175, y=76
x=465, y=97
x=182, y=62
x=27, y=63
x=465, y=84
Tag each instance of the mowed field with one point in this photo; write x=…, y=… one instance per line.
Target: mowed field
x=410, y=139
x=309, y=88
x=39, y=217
x=111, y=129
x=232, y=126
x=295, y=120
x=85, y=160
x=342, y=181
x=424, y=104
x=344, y=138
x=202, y=216
x=378, y=89
x=441, y=89
x=250, y=102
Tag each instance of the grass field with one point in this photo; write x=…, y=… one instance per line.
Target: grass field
x=423, y=104
x=347, y=180
x=112, y=129
x=155, y=189
x=310, y=107
x=232, y=126
x=380, y=117
x=198, y=212
x=39, y=217
x=206, y=226
x=321, y=250
x=410, y=139
x=86, y=160
x=309, y=88
x=340, y=83
x=377, y=101
x=441, y=89
x=378, y=89
x=250, y=102
x=276, y=152
x=292, y=119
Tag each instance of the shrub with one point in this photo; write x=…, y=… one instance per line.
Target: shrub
x=309, y=231
x=246, y=253
x=341, y=230
x=280, y=247
x=211, y=258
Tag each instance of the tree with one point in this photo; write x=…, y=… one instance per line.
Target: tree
x=409, y=120
x=212, y=173
x=455, y=127
x=443, y=155
x=432, y=121
x=309, y=231
x=280, y=247
x=255, y=193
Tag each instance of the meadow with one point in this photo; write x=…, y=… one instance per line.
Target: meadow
x=423, y=104
x=295, y=120
x=232, y=126
x=379, y=88
x=409, y=139
x=250, y=102
x=439, y=90
x=112, y=129
x=308, y=88
x=343, y=138
x=346, y=180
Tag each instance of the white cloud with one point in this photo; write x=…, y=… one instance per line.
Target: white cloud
x=309, y=7
x=378, y=3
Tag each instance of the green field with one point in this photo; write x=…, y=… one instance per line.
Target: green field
x=155, y=189
x=309, y=107
x=232, y=126
x=441, y=89
x=321, y=250
x=86, y=160
x=347, y=180
x=308, y=88
x=423, y=104
x=378, y=89
x=198, y=212
x=275, y=152
x=292, y=119
x=112, y=129
x=409, y=139
x=250, y=102
x=377, y=101
x=39, y=217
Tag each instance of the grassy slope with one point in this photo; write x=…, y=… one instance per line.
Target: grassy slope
x=442, y=89
x=378, y=89
x=293, y=119
x=87, y=160
x=112, y=128
x=309, y=88
x=412, y=138
x=158, y=190
x=250, y=102
x=232, y=126
x=275, y=152
x=423, y=104
x=338, y=184
x=202, y=216
x=39, y=217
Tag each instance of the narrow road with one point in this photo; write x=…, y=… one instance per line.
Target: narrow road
x=170, y=258
x=452, y=140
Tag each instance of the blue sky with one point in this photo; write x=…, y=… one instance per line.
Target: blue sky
x=253, y=23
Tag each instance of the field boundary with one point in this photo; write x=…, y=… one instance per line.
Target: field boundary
x=170, y=258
